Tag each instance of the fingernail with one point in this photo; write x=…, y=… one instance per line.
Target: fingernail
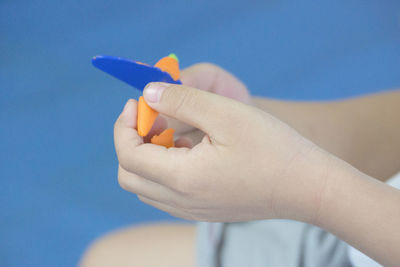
x=153, y=91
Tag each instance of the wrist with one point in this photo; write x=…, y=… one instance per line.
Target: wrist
x=333, y=199
x=362, y=211
x=310, y=185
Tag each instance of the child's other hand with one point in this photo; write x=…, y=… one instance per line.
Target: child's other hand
x=248, y=166
x=207, y=77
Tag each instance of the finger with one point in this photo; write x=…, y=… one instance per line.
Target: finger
x=156, y=163
x=214, y=79
x=211, y=78
x=142, y=186
x=167, y=208
x=158, y=127
x=147, y=160
x=215, y=115
x=124, y=127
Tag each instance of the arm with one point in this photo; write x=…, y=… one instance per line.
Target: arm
x=362, y=211
x=363, y=131
x=366, y=133
x=252, y=166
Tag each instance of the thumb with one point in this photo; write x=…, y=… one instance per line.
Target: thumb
x=215, y=115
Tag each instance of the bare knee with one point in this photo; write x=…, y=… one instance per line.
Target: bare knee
x=147, y=245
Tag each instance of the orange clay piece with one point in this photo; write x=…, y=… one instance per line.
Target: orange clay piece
x=146, y=117
x=169, y=64
x=166, y=138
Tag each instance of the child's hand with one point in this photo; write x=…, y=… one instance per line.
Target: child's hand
x=207, y=77
x=248, y=166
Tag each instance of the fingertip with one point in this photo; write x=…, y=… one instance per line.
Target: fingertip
x=129, y=113
x=128, y=105
x=125, y=126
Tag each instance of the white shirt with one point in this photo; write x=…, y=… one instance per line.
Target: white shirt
x=357, y=258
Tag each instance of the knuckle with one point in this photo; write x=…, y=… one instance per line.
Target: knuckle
x=124, y=160
x=184, y=186
x=181, y=179
x=180, y=185
x=121, y=181
x=129, y=160
x=196, y=185
x=190, y=187
x=207, y=66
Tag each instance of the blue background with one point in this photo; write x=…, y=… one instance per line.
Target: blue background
x=58, y=186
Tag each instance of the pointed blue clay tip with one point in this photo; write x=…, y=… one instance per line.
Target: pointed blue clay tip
x=131, y=72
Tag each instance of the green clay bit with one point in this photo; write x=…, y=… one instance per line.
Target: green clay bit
x=173, y=56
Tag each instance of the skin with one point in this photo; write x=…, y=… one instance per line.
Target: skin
x=288, y=177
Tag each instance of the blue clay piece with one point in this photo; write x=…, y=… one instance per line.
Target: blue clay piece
x=133, y=73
